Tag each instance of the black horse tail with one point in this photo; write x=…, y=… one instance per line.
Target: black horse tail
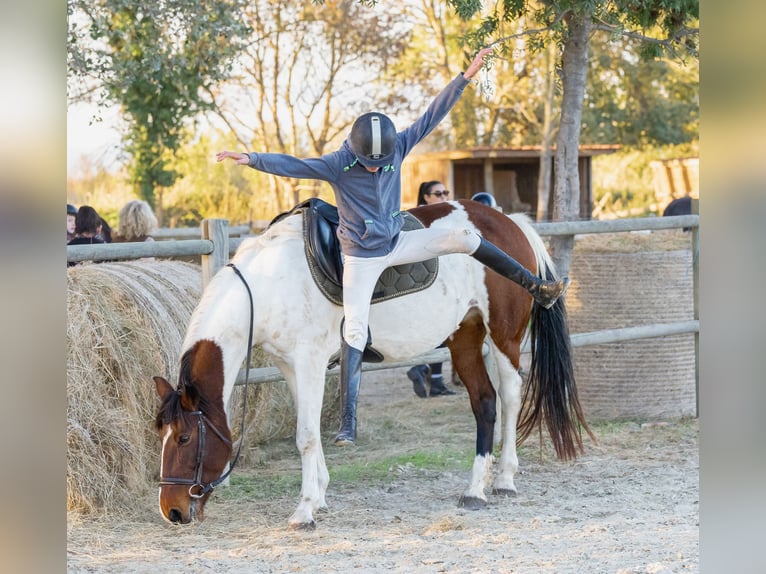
x=550, y=395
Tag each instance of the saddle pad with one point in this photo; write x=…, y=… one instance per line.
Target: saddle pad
x=393, y=282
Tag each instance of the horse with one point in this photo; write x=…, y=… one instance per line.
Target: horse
x=276, y=304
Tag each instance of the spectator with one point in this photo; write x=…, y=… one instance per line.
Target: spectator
x=430, y=192
x=71, y=213
x=106, y=231
x=136, y=222
x=682, y=206
x=485, y=198
x=87, y=226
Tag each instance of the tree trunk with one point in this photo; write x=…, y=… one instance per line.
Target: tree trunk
x=566, y=198
x=546, y=154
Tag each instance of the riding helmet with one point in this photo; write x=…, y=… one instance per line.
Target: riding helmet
x=71, y=209
x=373, y=139
x=485, y=198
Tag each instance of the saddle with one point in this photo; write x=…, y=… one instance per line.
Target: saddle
x=323, y=255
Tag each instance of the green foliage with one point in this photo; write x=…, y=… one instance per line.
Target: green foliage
x=157, y=61
x=628, y=178
x=465, y=9
x=635, y=102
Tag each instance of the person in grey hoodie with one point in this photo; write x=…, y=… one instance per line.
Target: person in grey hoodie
x=365, y=177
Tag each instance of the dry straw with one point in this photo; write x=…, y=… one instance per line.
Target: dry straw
x=126, y=323
x=626, y=280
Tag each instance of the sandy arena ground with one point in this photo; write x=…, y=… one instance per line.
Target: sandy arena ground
x=630, y=505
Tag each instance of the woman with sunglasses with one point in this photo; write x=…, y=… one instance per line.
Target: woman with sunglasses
x=364, y=174
x=432, y=192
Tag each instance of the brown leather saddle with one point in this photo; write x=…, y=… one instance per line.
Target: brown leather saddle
x=323, y=255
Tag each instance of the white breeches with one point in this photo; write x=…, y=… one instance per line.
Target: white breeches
x=360, y=274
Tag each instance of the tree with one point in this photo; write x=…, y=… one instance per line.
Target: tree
x=157, y=61
x=298, y=82
x=661, y=26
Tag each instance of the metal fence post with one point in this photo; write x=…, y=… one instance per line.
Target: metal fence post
x=216, y=230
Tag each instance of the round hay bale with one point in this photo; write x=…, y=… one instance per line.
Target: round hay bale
x=126, y=324
x=646, y=378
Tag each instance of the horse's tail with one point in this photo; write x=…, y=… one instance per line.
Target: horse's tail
x=551, y=393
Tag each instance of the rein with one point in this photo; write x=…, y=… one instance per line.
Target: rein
x=203, y=422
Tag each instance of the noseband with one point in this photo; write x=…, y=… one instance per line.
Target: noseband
x=203, y=422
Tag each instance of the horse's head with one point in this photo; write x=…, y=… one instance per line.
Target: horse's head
x=196, y=445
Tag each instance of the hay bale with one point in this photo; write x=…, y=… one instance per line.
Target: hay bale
x=126, y=323
x=635, y=283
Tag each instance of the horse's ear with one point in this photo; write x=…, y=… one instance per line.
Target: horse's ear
x=189, y=398
x=163, y=387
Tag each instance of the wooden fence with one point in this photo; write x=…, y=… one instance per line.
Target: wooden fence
x=217, y=245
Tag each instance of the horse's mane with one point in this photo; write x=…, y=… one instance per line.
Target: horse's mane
x=171, y=407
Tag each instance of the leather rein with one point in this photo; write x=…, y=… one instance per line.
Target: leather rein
x=203, y=422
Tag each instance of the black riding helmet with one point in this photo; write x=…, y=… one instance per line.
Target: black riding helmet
x=373, y=139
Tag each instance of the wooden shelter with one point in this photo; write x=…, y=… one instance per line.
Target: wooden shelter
x=675, y=178
x=510, y=174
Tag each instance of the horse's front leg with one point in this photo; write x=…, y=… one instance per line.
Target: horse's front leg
x=306, y=381
x=509, y=387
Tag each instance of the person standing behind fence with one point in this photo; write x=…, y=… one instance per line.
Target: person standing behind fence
x=430, y=192
x=87, y=227
x=71, y=213
x=106, y=231
x=137, y=222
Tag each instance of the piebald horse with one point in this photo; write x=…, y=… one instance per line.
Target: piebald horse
x=299, y=327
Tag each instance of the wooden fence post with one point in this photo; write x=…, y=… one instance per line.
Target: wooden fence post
x=216, y=230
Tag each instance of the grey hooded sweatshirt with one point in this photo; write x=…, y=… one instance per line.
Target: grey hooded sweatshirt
x=368, y=203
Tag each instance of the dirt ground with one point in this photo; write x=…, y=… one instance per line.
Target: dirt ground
x=629, y=505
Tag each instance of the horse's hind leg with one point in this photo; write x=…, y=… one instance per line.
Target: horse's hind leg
x=466, y=346
x=509, y=389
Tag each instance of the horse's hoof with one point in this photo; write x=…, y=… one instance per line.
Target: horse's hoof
x=341, y=441
x=471, y=503
x=507, y=492
x=305, y=526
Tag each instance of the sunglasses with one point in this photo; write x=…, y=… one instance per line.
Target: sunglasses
x=445, y=193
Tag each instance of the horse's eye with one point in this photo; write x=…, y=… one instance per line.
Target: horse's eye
x=183, y=439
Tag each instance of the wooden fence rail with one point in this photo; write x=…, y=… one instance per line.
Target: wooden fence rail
x=216, y=245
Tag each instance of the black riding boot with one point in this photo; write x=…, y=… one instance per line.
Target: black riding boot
x=417, y=375
x=437, y=382
x=350, y=379
x=545, y=292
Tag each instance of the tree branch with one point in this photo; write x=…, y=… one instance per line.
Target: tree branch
x=547, y=28
x=668, y=42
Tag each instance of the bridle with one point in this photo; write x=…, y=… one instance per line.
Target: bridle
x=203, y=422
x=202, y=425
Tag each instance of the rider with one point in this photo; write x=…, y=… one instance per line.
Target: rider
x=364, y=175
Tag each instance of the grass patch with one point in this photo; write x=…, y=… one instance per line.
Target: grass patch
x=269, y=484
x=381, y=470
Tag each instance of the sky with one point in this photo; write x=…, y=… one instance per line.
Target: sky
x=98, y=140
